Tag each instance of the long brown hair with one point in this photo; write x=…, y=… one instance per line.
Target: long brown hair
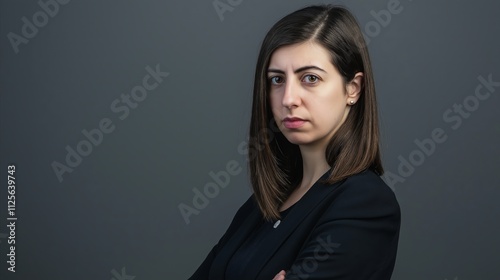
x=275, y=164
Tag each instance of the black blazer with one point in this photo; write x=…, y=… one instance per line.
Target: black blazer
x=347, y=230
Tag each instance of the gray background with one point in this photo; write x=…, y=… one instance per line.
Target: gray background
x=118, y=209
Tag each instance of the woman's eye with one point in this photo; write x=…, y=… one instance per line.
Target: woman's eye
x=276, y=80
x=311, y=79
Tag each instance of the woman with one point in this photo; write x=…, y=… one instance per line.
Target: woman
x=319, y=209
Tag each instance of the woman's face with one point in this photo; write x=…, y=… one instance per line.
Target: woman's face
x=308, y=96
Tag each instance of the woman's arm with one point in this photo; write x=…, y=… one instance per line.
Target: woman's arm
x=203, y=271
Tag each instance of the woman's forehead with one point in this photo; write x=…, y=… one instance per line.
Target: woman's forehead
x=296, y=56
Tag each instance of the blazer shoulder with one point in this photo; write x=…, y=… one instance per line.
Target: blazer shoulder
x=249, y=205
x=368, y=181
x=366, y=193
x=243, y=212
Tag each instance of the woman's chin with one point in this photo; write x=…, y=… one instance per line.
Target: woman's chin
x=297, y=140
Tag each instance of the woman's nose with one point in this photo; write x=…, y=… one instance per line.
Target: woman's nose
x=291, y=97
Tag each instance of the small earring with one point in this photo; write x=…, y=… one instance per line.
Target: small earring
x=352, y=102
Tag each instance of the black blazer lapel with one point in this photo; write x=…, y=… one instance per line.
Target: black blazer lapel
x=312, y=199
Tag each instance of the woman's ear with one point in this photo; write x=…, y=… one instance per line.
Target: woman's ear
x=354, y=88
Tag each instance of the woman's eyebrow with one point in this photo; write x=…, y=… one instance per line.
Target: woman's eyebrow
x=301, y=69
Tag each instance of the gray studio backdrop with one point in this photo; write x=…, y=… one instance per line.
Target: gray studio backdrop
x=119, y=116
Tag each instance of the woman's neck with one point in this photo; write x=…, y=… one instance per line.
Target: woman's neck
x=314, y=164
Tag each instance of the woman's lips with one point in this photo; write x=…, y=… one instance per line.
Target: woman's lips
x=293, y=122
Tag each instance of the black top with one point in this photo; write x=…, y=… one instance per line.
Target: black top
x=249, y=250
